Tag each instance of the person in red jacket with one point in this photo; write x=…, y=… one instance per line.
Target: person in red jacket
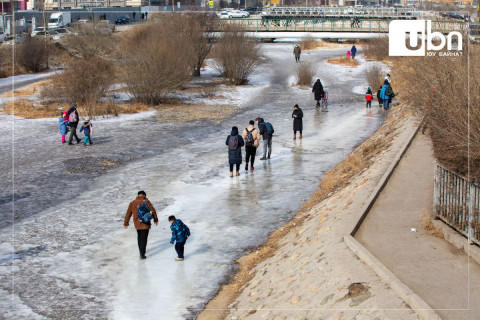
x=369, y=97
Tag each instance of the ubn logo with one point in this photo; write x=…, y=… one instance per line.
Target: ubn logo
x=414, y=30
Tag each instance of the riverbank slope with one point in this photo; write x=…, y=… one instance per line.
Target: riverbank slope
x=305, y=269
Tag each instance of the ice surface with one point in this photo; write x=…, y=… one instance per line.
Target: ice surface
x=89, y=265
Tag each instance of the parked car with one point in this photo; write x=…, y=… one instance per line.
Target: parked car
x=65, y=31
x=474, y=33
x=453, y=15
x=238, y=14
x=10, y=39
x=223, y=15
x=51, y=35
x=122, y=20
x=253, y=10
x=36, y=30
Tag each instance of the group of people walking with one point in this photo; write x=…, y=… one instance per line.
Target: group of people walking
x=68, y=122
x=250, y=138
x=385, y=94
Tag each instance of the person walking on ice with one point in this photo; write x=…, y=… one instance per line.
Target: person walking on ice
x=180, y=234
x=297, y=116
x=251, y=137
x=87, y=129
x=369, y=97
x=72, y=114
x=318, y=91
x=266, y=131
x=142, y=211
x=297, y=51
x=235, y=143
x=62, y=126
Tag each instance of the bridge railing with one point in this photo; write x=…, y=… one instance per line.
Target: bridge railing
x=330, y=25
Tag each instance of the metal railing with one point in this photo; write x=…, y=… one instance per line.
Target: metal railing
x=365, y=12
x=457, y=203
x=329, y=25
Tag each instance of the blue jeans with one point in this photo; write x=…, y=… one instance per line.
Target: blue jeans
x=385, y=104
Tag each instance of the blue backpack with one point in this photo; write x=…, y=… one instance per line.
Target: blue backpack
x=269, y=127
x=144, y=213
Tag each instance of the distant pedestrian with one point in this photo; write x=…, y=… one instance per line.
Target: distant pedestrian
x=369, y=97
x=87, y=129
x=297, y=116
x=73, y=123
x=251, y=137
x=353, y=51
x=104, y=16
x=62, y=126
x=380, y=101
x=349, y=54
x=235, y=143
x=143, y=16
x=266, y=131
x=134, y=14
x=352, y=23
x=357, y=22
x=143, y=206
x=297, y=51
x=180, y=234
x=146, y=15
x=318, y=91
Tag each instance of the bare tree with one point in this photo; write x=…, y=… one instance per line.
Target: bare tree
x=236, y=55
x=31, y=55
x=374, y=77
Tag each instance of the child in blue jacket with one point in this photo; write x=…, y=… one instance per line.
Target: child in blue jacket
x=62, y=126
x=87, y=129
x=180, y=234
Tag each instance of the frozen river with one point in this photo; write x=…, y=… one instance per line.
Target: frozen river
x=72, y=256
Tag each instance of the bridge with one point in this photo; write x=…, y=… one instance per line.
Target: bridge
x=316, y=26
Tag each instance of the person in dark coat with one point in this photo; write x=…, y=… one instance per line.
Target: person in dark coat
x=73, y=119
x=235, y=143
x=296, y=52
x=297, y=116
x=380, y=101
x=318, y=91
x=353, y=51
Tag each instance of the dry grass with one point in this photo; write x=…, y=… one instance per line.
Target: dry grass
x=357, y=162
x=376, y=48
x=430, y=228
x=308, y=43
x=26, y=91
x=191, y=112
x=27, y=109
x=344, y=61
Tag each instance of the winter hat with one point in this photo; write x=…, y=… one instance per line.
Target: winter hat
x=73, y=105
x=87, y=119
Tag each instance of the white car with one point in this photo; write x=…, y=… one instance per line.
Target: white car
x=238, y=14
x=223, y=15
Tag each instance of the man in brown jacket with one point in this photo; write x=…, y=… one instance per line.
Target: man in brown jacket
x=142, y=228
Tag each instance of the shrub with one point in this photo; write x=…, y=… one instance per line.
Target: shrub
x=376, y=48
x=304, y=74
x=83, y=81
x=155, y=61
x=308, y=43
x=374, y=77
x=438, y=88
x=32, y=54
x=236, y=56
x=90, y=41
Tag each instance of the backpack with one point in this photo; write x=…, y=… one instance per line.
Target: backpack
x=144, y=213
x=73, y=117
x=249, y=141
x=233, y=142
x=269, y=127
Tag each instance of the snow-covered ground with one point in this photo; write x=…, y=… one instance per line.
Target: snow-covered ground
x=73, y=259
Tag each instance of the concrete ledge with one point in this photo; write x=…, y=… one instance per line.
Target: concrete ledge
x=423, y=310
x=458, y=240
